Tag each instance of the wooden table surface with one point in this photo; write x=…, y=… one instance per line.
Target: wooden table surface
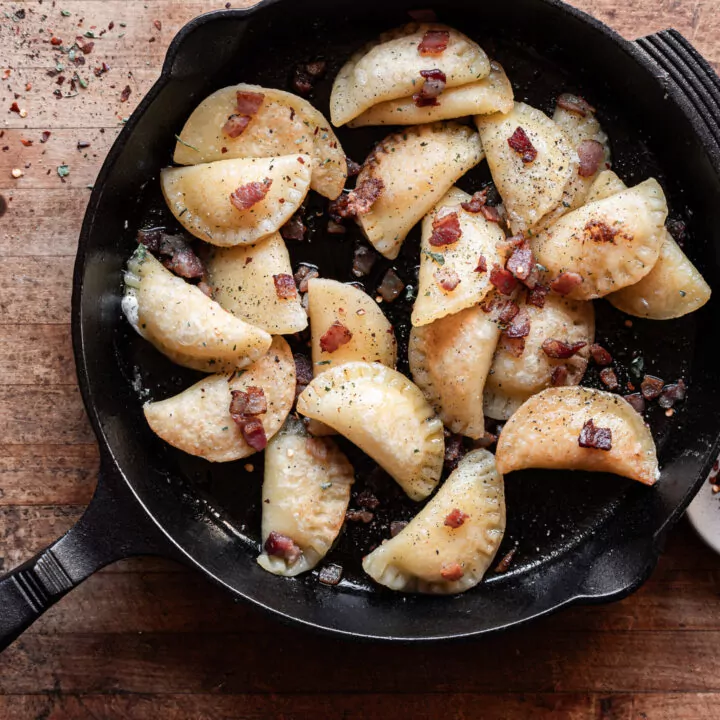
x=146, y=639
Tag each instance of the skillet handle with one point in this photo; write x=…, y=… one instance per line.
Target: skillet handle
x=693, y=82
x=113, y=527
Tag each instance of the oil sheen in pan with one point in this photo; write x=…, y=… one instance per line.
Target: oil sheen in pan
x=548, y=512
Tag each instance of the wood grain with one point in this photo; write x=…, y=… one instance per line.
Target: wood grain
x=146, y=638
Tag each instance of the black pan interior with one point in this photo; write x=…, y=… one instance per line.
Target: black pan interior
x=576, y=534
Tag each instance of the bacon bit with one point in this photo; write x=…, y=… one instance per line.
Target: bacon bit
x=363, y=516
x=504, y=564
x=304, y=274
x=508, y=310
x=520, y=143
x=303, y=373
x=363, y=260
x=600, y=355
x=434, y=43
x=125, y=94
x=205, y=289
x=503, y=280
x=26, y=143
x=672, y=393
x=183, y=261
x=353, y=168
x=520, y=325
x=307, y=75
x=330, y=574
x=390, y=286
x=598, y=231
x=335, y=337
x=367, y=500
x=248, y=103
x=451, y=572
x=677, y=229
x=594, y=437
x=559, y=376
x=244, y=197
x=609, y=379
x=285, y=286
x=15, y=108
x=55, y=41
x=253, y=432
x=84, y=45
x=455, y=518
x=513, y=346
x=249, y=402
x=157, y=24
x=282, y=546
x=575, y=104
x=651, y=387
x=445, y=230
x=482, y=265
x=477, y=202
x=637, y=401
x=433, y=85
x=522, y=262
x=566, y=282
x=235, y=125
x=294, y=228
x=558, y=350
x=318, y=448
x=536, y=296
x=397, y=526
x=362, y=198
x=447, y=279
x=591, y=154
x=454, y=450
x=491, y=214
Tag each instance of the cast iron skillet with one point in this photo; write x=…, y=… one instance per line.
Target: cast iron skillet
x=580, y=537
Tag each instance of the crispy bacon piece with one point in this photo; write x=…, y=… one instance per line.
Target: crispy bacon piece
x=253, y=431
x=367, y=500
x=244, y=197
x=363, y=516
x=566, y=282
x=520, y=325
x=248, y=103
x=504, y=564
x=358, y=201
x=600, y=355
x=397, y=526
x=507, y=311
x=476, y=202
x=591, y=154
x=594, y=437
x=482, y=265
x=445, y=230
x=447, y=279
x=559, y=376
x=677, y=229
x=334, y=337
x=536, y=296
x=330, y=574
x=513, y=346
x=455, y=518
x=248, y=402
x=503, y=279
x=433, y=85
x=235, y=125
x=294, y=228
x=353, y=168
x=651, y=387
x=306, y=75
x=285, y=286
x=558, y=350
x=184, y=263
x=280, y=545
x=434, y=43
x=576, y=104
x=454, y=450
x=609, y=378
x=491, y=214
x=521, y=144
x=672, y=393
x=522, y=262
x=451, y=572
x=599, y=231
x=637, y=401
x=363, y=260
x=304, y=274
x=173, y=251
x=303, y=373
x=125, y=94
x=390, y=286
